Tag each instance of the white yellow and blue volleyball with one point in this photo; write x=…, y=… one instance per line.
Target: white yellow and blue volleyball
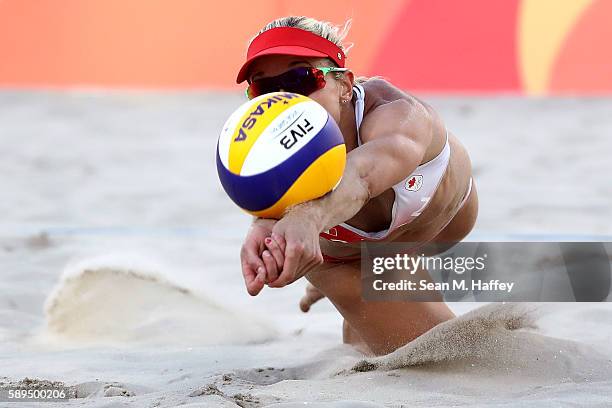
x=278, y=150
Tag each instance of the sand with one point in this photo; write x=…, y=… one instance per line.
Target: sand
x=96, y=303
x=120, y=274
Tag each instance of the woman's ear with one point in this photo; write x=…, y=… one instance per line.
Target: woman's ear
x=346, y=84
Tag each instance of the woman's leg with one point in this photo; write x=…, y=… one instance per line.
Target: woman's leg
x=382, y=326
x=350, y=336
x=385, y=326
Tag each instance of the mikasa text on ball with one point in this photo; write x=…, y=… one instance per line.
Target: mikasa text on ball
x=278, y=150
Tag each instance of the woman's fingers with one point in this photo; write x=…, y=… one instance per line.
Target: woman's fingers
x=280, y=241
x=312, y=296
x=254, y=279
x=271, y=267
x=253, y=268
x=293, y=254
x=276, y=251
x=299, y=260
x=273, y=259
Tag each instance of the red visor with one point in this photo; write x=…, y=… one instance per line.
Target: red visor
x=290, y=41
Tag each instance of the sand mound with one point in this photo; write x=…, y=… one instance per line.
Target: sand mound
x=475, y=334
x=491, y=339
x=119, y=301
x=486, y=357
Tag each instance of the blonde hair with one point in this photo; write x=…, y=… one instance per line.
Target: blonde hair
x=325, y=29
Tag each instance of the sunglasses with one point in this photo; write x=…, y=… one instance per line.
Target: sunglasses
x=300, y=80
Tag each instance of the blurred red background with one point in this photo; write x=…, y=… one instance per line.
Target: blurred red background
x=469, y=46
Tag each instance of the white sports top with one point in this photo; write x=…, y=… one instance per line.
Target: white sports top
x=411, y=194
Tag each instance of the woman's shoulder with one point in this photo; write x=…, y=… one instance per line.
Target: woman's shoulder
x=381, y=87
x=379, y=91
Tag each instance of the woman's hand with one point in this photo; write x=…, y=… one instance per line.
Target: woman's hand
x=298, y=233
x=252, y=255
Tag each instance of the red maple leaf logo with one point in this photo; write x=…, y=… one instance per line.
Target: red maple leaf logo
x=411, y=182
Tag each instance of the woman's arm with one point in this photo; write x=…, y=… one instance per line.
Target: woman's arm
x=395, y=138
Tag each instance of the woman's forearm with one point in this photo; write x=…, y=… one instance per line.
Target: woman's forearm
x=370, y=169
x=342, y=203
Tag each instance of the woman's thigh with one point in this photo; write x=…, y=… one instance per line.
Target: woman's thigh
x=383, y=325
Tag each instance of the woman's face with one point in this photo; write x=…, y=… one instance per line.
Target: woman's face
x=330, y=97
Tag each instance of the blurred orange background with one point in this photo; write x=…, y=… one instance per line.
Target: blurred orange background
x=533, y=47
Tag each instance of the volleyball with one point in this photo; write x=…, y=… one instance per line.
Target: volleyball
x=278, y=150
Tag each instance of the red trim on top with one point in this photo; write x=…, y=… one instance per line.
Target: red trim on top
x=290, y=41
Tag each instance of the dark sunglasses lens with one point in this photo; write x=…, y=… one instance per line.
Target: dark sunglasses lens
x=301, y=80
